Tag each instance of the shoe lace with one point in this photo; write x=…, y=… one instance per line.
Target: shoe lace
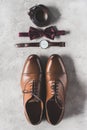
x=55, y=92
x=33, y=89
x=55, y=88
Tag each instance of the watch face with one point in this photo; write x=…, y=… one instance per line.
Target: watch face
x=44, y=44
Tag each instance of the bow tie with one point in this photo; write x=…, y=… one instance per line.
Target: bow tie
x=49, y=32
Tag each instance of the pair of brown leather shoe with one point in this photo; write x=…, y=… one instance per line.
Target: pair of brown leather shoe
x=56, y=83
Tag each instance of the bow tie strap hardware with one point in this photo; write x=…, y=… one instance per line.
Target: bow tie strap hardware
x=49, y=32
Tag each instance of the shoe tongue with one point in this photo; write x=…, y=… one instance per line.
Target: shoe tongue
x=34, y=99
x=58, y=101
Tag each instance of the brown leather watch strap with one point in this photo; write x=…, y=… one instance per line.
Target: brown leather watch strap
x=60, y=44
x=27, y=45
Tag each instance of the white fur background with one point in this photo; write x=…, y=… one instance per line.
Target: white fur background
x=13, y=19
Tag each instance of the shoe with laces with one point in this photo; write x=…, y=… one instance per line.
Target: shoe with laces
x=56, y=84
x=31, y=84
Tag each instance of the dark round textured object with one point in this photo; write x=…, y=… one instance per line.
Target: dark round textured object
x=39, y=15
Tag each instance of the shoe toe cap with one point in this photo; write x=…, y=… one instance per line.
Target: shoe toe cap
x=55, y=64
x=32, y=65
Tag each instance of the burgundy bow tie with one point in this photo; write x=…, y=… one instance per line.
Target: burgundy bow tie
x=49, y=32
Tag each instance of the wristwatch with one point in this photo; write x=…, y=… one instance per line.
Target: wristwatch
x=43, y=44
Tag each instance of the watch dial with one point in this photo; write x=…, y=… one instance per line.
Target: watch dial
x=44, y=44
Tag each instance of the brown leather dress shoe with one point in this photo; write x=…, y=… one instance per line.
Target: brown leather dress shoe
x=31, y=81
x=56, y=83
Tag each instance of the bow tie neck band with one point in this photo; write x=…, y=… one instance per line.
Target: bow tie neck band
x=49, y=32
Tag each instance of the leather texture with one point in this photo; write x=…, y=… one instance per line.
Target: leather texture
x=37, y=15
x=31, y=84
x=56, y=84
